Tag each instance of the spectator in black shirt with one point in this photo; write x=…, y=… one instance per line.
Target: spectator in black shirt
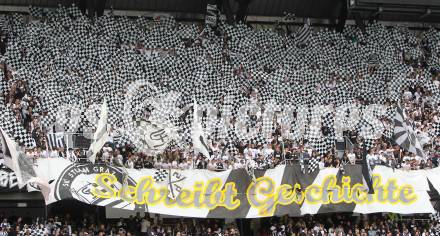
x=147, y=163
x=139, y=163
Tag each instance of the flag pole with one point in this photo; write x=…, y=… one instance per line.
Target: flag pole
x=45, y=211
x=283, y=153
x=366, y=169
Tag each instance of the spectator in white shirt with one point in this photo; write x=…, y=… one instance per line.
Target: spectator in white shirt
x=129, y=163
x=371, y=157
x=239, y=164
x=45, y=154
x=145, y=226
x=267, y=151
x=321, y=163
x=53, y=153
x=351, y=158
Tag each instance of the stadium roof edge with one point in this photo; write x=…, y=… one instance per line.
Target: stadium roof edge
x=253, y=19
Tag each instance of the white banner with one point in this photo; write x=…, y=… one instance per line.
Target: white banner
x=235, y=194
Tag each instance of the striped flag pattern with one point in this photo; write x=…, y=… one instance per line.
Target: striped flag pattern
x=56, y=140
x=404, y=134
x=304, y=33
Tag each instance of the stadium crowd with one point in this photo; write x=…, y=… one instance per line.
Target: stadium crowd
x=331, y=225
x=30, y=85
x=384, y=151
x=28, y=106
x=137, y=225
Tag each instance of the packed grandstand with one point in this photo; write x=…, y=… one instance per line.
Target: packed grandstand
x=57, y=72
x=182, y=97
x=330, y=225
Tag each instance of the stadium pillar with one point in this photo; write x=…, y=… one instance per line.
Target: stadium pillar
x=244, y=226
x=343, y=12
x=82, y=5
x=242, y=10
x=100, y=7
x=225, y=5
x=359, y=21
x=95, y=7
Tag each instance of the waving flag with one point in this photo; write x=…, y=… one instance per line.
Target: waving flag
x=211, y=17
x=101, y=135
x=16, y=160
x=154, y=138
x=366, y=170
x=404, y=134
x=303, y=34
x=56, y=140
x=198, y=136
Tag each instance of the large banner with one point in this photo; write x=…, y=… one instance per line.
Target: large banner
x=234, y=194
x=8, y=181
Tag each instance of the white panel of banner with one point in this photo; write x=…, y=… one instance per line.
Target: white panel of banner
x=79, y=181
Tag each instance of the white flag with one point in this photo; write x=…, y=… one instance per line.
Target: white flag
x=154, y=138
x=101, y=134
x=16, y=160
x=43, y=187
x=198, y=136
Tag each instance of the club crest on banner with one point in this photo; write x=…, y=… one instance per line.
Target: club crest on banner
x=75, y=182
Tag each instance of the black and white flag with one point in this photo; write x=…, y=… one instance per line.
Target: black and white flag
x=153, y=138
x=304, y=33
x=173, y=179
x=101, y=135
x=404, y=134
x=211, y=15
x=198, y=136
x=367, y=171
x=16, y=160
x=307, y=163
x=56, y=140
x=177, y=184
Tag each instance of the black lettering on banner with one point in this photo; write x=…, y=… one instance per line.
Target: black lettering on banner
x=8, y=181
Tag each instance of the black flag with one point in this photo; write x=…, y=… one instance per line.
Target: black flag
x=366, y=170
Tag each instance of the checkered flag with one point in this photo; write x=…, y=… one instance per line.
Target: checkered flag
x=436, y=129
x=308, y=165
x=289, y=17
x=38, y=232
x=74, y=12
x=435, y=217
x=36, y=11
x=172, y=179
x=160, y=175
x=313, y=164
